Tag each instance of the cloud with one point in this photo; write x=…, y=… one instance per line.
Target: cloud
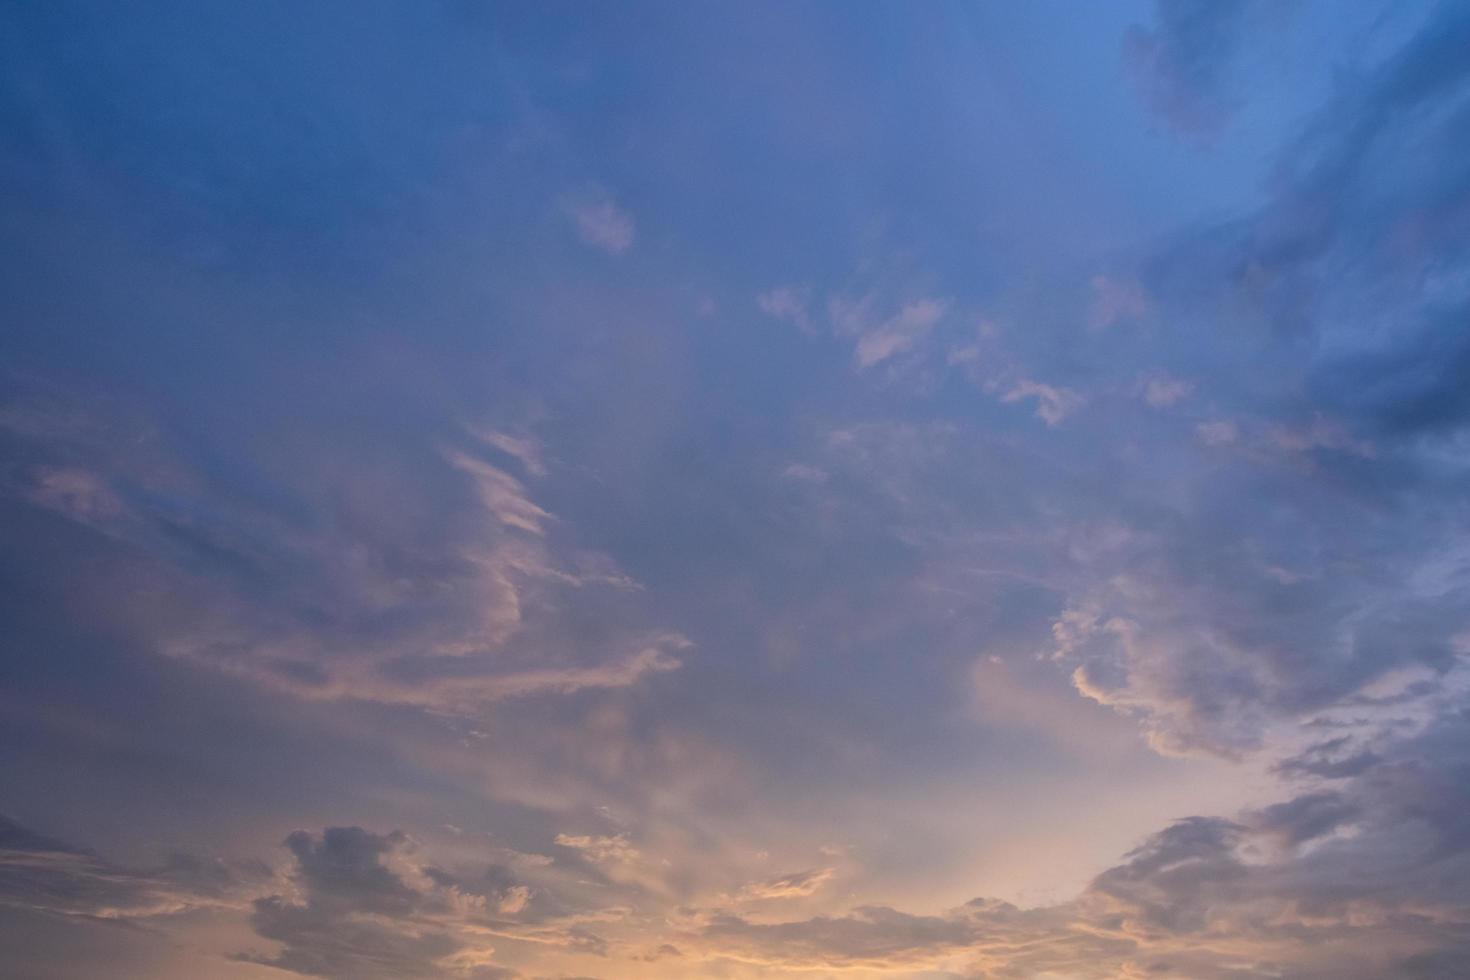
x=1115, y=301
x=1162, y=392
x=601, y=849
x=1321, y=577
x=1053, y=403
x=502, y=494
x=871, y=937
x=798, y=884
x=363, y=905
x=804, y=473
x=1212, y=659
x=345, y=865
x=80, y=495
x=789, y=303
x=600, y=222
x=876, y=342
x=439, y=605
x=1334, y=758
x=1318, y=435
x=1221, y=432
x=1358, y=879
x=355, y=916
x=458, y=691
x=523, y=449
x=1331, y=883
x=40, y=874
x=1274, y=569
x=1180, y=64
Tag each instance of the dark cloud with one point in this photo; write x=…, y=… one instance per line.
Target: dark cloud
x=14, y=837
x=1306, y=817
x=1413, y=385
x=364, y=906
x=358, y=918
x=40, y=874
x=1181, y=63
x=1319, y=555
x=350, y=912
x=323, y=942
x=344, y=865
x=1332, y=759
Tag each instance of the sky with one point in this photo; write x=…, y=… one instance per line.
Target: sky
x=749, y=490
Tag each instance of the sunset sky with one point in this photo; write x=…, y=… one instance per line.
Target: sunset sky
x=734, y=490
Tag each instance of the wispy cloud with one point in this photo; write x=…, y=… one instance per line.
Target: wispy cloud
x=1115, y=301
x=1053, y=403
x=789, y=303
x=1181, y=64
x=1164, y=391
x=798, y=884
x=502, y=494
x=876, y=342
x=600, y=221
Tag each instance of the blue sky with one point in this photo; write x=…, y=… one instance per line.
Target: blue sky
x=734, y=491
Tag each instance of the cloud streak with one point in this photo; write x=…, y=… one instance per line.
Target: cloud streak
x=600, y=222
